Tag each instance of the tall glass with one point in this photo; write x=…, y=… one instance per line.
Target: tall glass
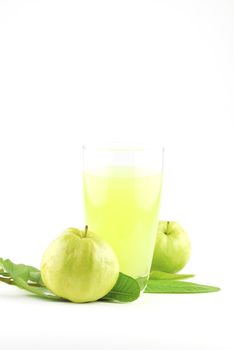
x=122, y=188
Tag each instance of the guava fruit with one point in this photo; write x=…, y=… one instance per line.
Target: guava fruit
x=172, y=248
x=79, y=266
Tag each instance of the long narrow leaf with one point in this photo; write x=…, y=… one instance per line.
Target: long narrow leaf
x=167, y=286
x=160, y=275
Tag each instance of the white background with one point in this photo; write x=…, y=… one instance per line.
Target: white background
x=162, y=72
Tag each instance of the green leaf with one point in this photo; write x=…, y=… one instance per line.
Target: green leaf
x=160, y=275
x=26, y=277
x=167, y=286
x=1, y=266
x=126, y=289
x=2, y=270
x=40, y=291
x=35, y=276
x=26, y=272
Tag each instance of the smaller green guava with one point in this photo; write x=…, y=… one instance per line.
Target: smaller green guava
x=79, y=266
x=172, y=247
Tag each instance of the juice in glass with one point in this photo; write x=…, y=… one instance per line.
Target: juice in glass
x=122, y=202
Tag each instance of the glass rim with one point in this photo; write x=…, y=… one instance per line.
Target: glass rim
x=123, y=147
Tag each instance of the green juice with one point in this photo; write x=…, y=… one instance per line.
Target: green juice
x=122, y=206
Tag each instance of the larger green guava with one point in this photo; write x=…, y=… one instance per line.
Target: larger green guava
x=79, y=266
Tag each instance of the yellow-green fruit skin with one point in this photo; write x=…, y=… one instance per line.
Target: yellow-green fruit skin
x=172, y=248
x=79, y=266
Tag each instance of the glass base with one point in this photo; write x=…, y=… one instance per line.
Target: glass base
x=142, y=281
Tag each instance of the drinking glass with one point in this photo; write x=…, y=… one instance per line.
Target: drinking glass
x=122, y=190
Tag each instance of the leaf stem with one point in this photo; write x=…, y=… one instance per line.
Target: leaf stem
x=11, y=281
x=7, y=280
